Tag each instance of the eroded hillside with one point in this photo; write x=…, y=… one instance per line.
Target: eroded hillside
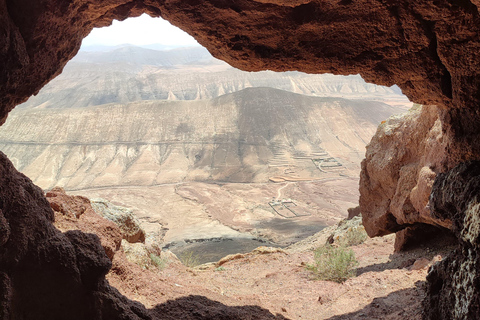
x=128, y=73
x=249, y=136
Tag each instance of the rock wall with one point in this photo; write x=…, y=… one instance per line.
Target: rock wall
x=46, y=272
x=400, y=166
x=453, y=290
x=429, y=48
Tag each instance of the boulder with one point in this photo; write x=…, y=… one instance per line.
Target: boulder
x=124, y=218
x=76, y=213
x=353, y=212
x=400, y=166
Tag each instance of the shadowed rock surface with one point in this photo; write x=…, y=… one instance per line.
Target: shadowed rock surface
x=41, y=265
x=429, y=48
x=453, y=284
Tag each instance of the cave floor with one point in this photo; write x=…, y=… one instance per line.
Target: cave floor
x=387, y=286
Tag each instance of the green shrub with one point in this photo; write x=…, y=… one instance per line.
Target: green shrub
x=189, y=258
x=354, y=236
x=158, y=262
x=333, y=263
x=221, y=268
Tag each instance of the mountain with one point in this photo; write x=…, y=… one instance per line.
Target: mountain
x=252, y=135
x=126, y=74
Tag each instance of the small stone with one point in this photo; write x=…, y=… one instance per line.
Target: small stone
x=420, y=264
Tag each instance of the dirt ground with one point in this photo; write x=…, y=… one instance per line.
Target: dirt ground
x=387, y=285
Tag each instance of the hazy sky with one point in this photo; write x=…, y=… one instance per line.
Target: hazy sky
x=142, y=30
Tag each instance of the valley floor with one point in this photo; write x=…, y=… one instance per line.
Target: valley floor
x=174, y=215
x=266, y=283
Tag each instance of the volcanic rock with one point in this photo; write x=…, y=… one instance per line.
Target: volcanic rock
x=452, y=287
x=429, y=48
x=67, y=217
x=353, y=212
x=400, y=165
x=46, y=272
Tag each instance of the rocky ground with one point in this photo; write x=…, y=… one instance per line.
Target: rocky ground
x=266, y=283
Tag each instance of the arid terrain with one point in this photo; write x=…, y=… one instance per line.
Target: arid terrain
x=205, y=155
x=420, y=179
x=266, y=283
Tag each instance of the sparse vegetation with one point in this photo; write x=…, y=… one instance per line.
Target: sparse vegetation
x=333, y=263
x=189, y=258
x=354, y=236
x=221, y=268
x=158, y=262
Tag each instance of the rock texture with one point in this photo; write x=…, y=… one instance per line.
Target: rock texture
x=41, y=265
x=124, y=218
x=398, y=172
x=453, y=284
x=76, y=213
x=429, y=48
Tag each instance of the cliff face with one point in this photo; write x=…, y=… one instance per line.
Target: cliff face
x=398, y=172
x=429, y=48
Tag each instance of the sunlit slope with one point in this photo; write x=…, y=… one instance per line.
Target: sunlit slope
x=248, y=136
x=129, y=74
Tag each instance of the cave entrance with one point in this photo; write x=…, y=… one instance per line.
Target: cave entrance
x=211, y=159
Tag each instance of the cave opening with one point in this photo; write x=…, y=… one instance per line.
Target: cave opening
x=214, y=161
x=385, y=77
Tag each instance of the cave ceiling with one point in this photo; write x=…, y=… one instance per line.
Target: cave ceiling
x=429, y=48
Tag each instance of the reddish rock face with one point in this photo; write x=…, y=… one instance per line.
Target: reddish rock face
x=44, y=271
x=76, y=213
x=429, y=48
x=398, y=172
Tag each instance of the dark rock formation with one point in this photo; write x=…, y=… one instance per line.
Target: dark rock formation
x=454, y=283
x=46, y=273
x=76, y=213
x=353, y=212
x=428, y=48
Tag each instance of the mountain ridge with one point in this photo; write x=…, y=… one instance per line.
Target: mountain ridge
x=246, y=136
x=130, y=73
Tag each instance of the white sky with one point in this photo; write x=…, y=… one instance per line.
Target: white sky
x=142, y=30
